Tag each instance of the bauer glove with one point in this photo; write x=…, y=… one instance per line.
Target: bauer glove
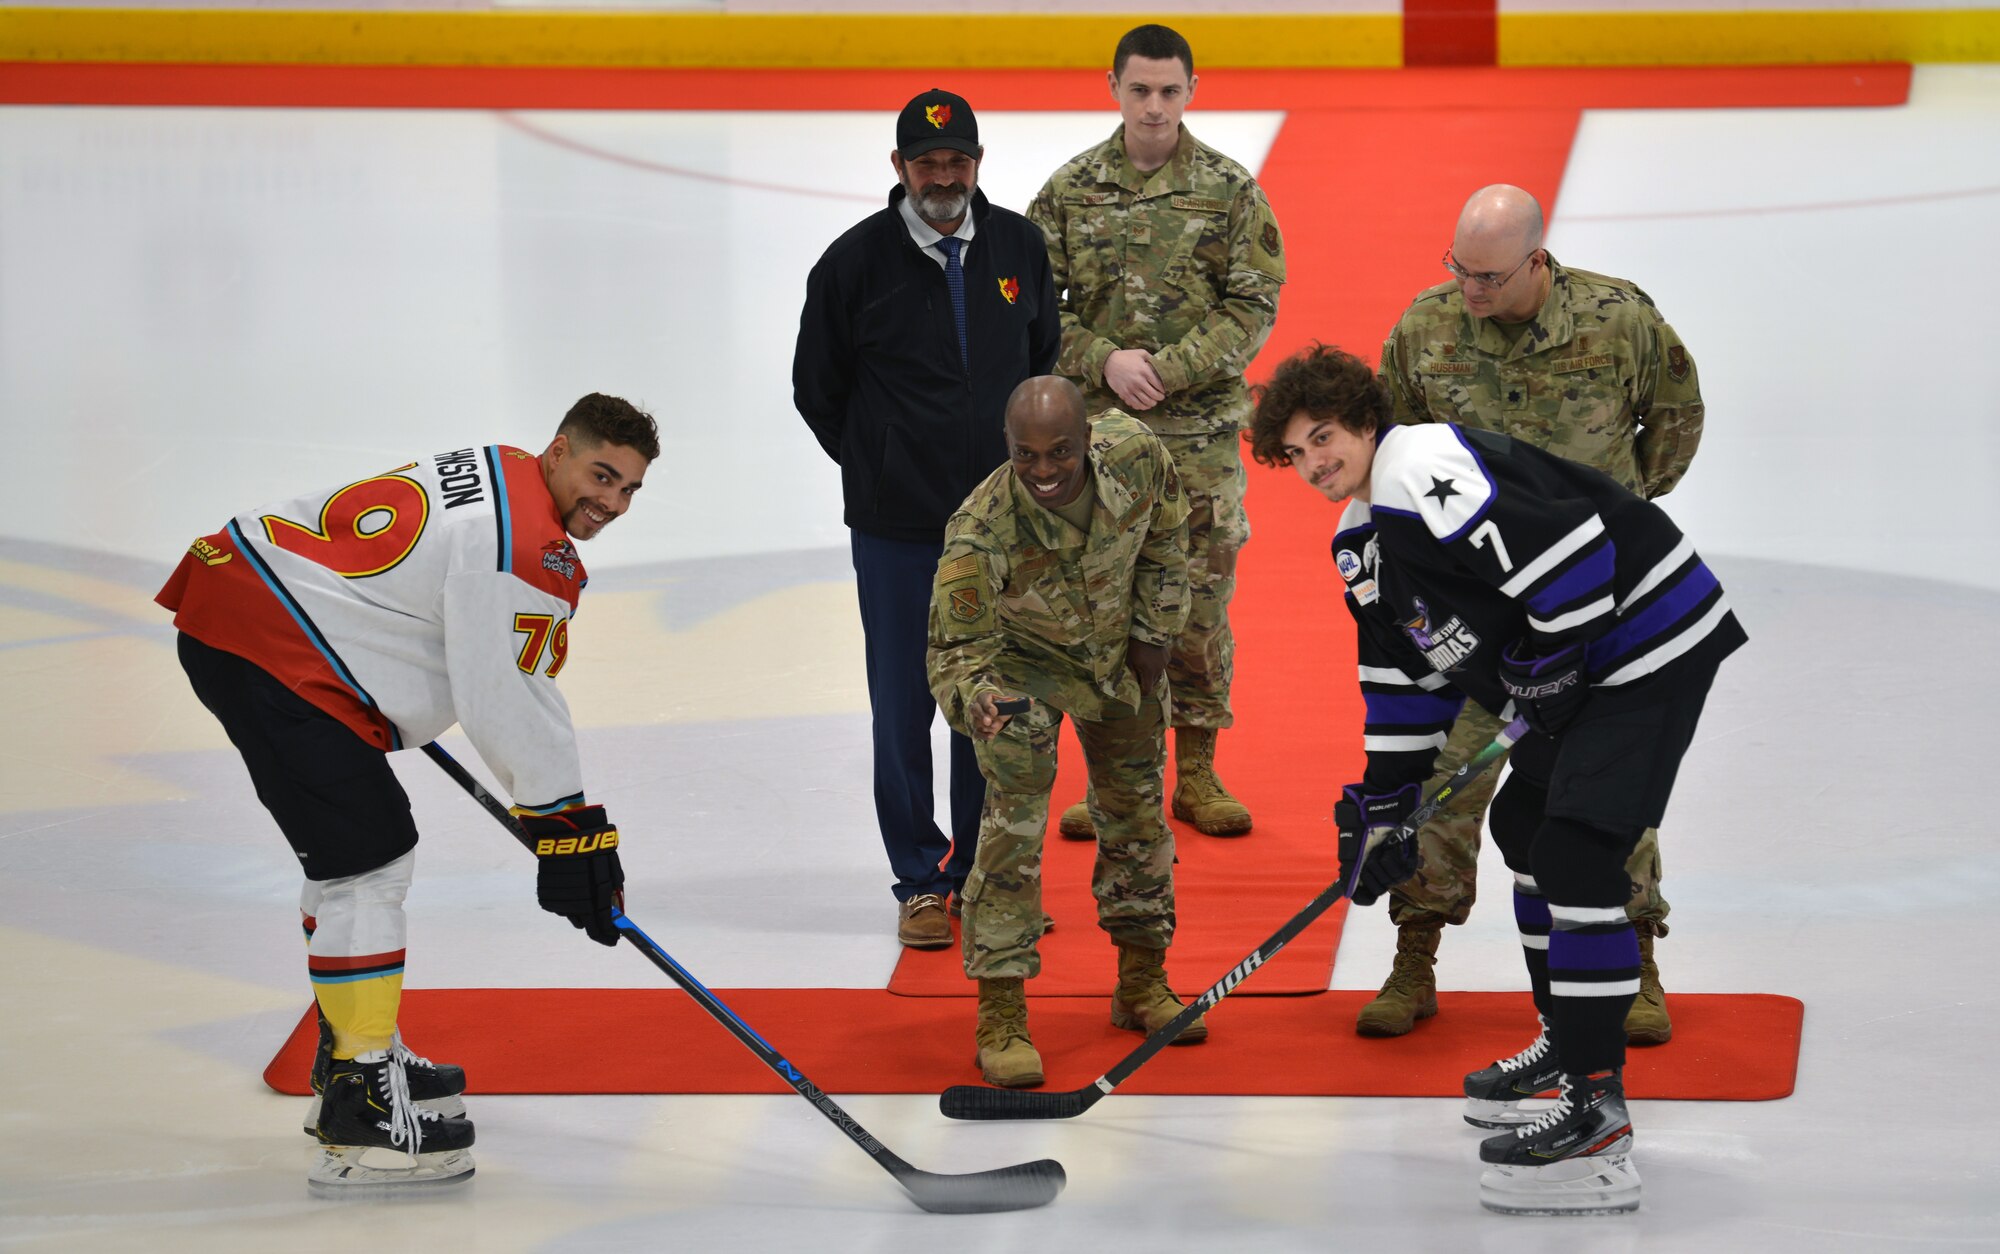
x=578, y=876
x=1371, y=862
x=1547, y=691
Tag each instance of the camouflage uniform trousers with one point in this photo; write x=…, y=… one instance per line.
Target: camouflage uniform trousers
x=1204, y=655
x=1444, y=889
x=1134, y=875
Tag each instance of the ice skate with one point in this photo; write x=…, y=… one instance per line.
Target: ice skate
x=434, y=1086
x=1575, y=1159
x=375, y=1140
x=1500, y=1096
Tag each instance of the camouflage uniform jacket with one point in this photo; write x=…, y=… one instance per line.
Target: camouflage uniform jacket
x=1185, y=262
x=1599, y=378
x=1026, y=603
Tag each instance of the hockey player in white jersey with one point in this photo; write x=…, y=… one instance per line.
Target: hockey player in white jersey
x=329, y=629
x=1478, y=567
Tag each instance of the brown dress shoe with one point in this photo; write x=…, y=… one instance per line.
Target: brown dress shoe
x=922, y=923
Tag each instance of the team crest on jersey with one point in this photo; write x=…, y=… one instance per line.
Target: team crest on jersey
x=560, y=556
x=1443, y=647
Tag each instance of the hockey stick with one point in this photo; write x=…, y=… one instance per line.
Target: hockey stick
x=1019, y=1187
x=973, y=1101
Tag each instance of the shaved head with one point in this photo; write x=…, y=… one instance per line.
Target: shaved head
x=1048, y=438
x=1502, y=215
x=1047, y=405
x=1497, y=254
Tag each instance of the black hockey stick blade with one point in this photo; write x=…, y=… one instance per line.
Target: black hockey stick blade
x=972, y=1101
x=1020, y=1187
x=976, y=1101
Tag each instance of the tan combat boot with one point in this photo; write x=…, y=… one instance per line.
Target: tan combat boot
x=1410, y=993
x=1199, y=797
x=1006, y=1056
x=1646, y=1023
x=1145, y=1002
x=1075, y=823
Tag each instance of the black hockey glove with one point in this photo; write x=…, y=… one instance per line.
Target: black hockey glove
x=578, y=877
x=1547, y=691
x=1371, y=863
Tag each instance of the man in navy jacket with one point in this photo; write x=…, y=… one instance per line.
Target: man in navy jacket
x=918, y=323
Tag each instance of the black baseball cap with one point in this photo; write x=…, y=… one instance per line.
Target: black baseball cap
x=937, y=119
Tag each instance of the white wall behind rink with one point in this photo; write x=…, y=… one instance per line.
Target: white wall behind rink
x=220, y=307
x=201, y=310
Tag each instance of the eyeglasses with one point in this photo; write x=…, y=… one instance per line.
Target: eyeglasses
x=1488, y=279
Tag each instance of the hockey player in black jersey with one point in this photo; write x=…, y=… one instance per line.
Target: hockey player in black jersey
x=1480, y=568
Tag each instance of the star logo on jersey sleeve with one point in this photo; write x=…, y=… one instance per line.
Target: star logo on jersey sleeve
x=1441, y=488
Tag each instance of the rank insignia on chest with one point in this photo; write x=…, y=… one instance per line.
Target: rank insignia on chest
x=1010, y=287
x=966, y=604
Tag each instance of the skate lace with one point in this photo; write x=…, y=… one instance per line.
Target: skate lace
x=407, y=1056
x=1532, y=1054
x=404, y=1121
x=1550, y=1117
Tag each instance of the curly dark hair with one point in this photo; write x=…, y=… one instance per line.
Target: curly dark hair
x=600, y=419
x=1324, y=382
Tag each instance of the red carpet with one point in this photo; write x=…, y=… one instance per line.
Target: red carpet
x=1298, y=712
x=1726, y=1047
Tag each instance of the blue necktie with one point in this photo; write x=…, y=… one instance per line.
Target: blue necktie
x=954, y=278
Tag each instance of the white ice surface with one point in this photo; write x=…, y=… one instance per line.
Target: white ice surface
x=201, y=308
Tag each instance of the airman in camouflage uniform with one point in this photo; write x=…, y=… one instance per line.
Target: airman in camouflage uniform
x=1078, y=618
x=1589, y=371
x=1175, y=255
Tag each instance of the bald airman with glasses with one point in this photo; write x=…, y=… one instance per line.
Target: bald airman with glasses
x=1584, y=366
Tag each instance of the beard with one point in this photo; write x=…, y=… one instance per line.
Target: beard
x=580, y=525
x=943, y=204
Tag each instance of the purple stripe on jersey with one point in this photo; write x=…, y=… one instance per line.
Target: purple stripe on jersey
x=1492, y=488
x=1593, y=951
x=1655, y=620
x=1592, y=574
x=1384, y=707
x=1531, y=911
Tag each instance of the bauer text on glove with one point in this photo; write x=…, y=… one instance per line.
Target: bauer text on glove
x=1547, y=690
x=578, y=875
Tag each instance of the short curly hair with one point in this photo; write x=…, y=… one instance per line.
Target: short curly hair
x=1324, y=382
x=600, y=419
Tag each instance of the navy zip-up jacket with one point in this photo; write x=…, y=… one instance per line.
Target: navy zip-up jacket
x=877, y=374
